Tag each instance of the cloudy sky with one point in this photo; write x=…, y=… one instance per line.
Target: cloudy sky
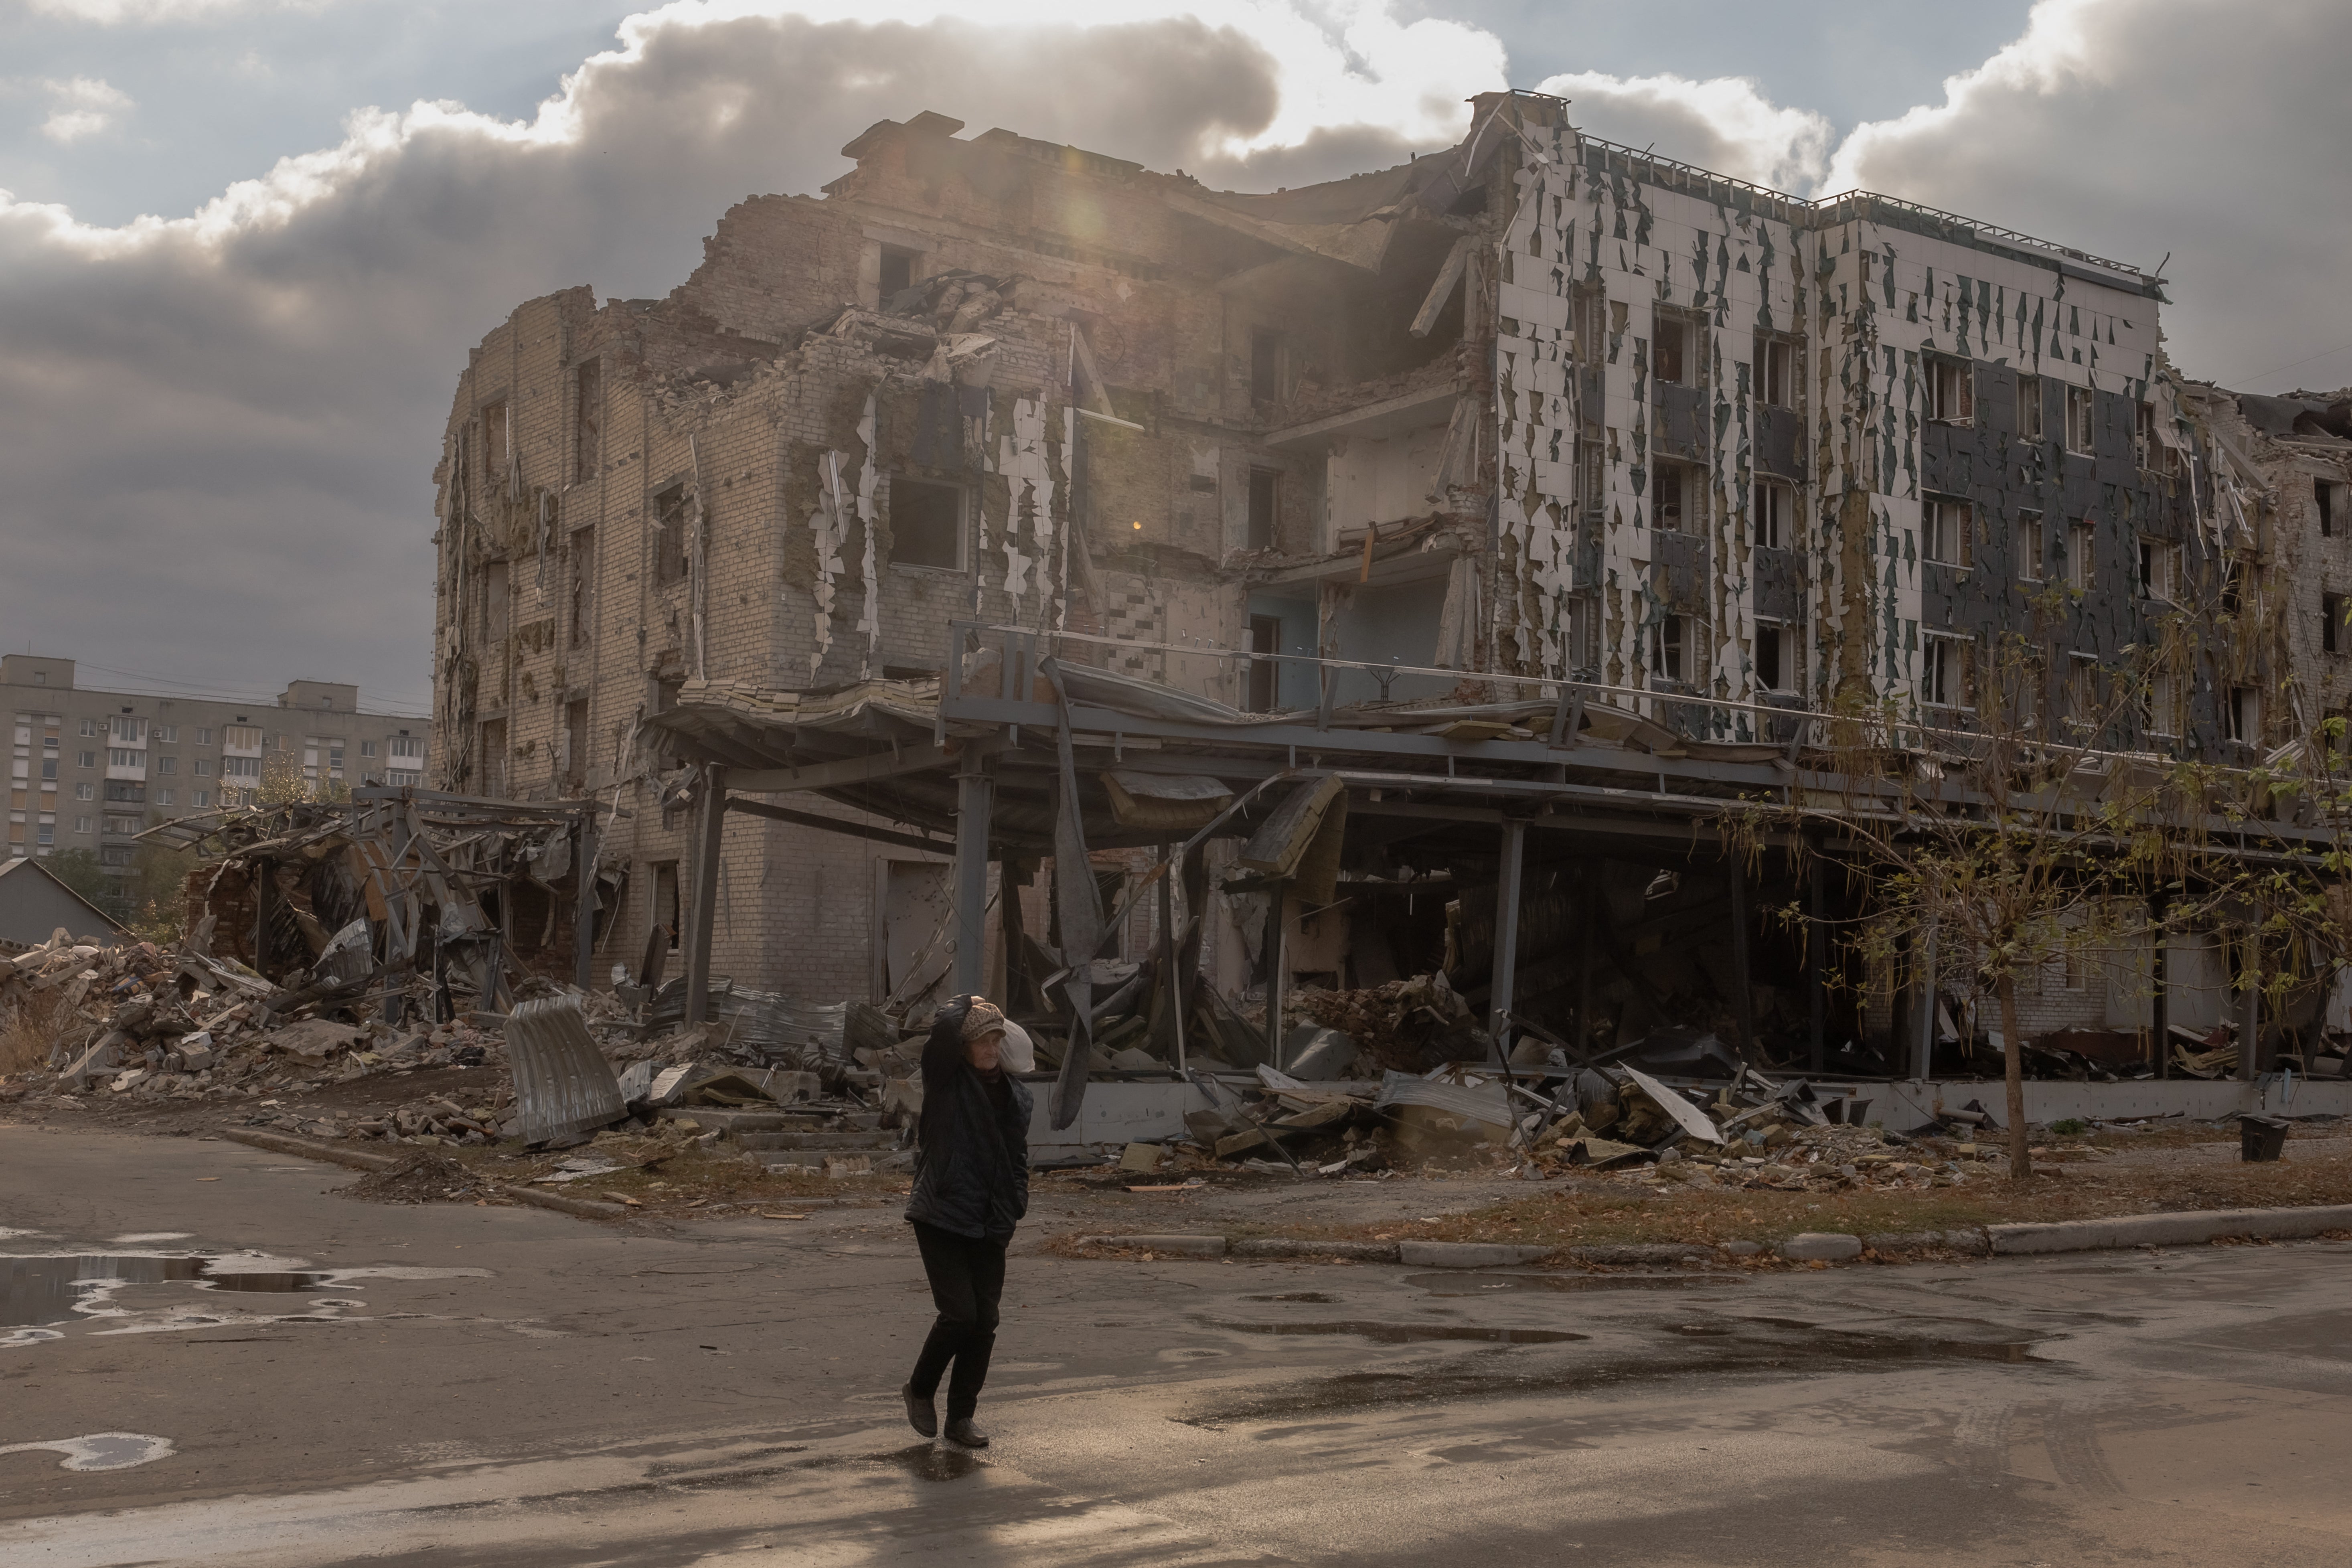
x=244, y=244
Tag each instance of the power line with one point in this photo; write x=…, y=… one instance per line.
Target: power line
x=2290, y=364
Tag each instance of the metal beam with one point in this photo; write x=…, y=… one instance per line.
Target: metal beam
x=710, y=827
x=1743, y=1000
x=974, y=792
x=584, y=903
x=836, y=824
x=1506, y=934
x=914, y=758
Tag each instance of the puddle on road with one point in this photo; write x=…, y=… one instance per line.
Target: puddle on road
x=926, y=1461
x=1459, y=1284
x=1406, y=1333
x=1729, y=1347
x=42, y=1294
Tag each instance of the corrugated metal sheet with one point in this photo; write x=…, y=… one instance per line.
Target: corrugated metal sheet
x=562, y=1083
x=1488, y=1102
x=783, y=1031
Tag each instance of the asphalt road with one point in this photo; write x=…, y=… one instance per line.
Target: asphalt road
x=466, y=1386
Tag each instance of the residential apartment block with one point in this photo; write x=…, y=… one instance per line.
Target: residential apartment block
x=1536, y=407
x=90, y=769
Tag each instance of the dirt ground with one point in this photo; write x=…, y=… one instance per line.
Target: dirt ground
x=664, y=1174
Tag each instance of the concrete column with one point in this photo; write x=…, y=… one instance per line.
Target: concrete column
x=710, y=827
x=975, y=799
x=584, y=903
x=1923, y=1042
x=1277, y=966
x=1743, y=1005
x=1817, y=980
x=1506, y=934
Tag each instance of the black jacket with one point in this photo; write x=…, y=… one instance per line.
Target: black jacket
x=972, y=1164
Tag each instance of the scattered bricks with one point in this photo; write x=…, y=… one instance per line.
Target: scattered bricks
x=1643, y=1254
x=1165, y=1246
x=1820, y=1247
x=1466, y=1254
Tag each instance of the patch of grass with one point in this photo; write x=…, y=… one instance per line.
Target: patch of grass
x=2069, y=1128
x=1584, y=1215
x=677, y=1176
x=28, y=1028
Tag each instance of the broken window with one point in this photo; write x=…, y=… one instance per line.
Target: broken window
x=2245, y=714
x=2029, y=547
x=1591, y=478
x=898, y=272
x=494, y=601
x=2029, y=407
x=2081, y=430
x=2143, y=435
x=2159, y=569
x=1670, y=346
x=1669, y=644
x=2331, y=623
x=926, y=524
x=1775, y=371
x=587, y=420
x=2233, y=585
x=493, y=771
x=2081, y=688
x=1265, y=673
x=1674, y=498
x=2160, y=706
x=584, y=576
x=1944, y=531
x=1266, y=365
x=496, y=451
x=1776, y=662
x=2323, y=494
x=669, y=533
x=2083, y=556
x=665, y=909
x=1264, y=509
x=576, y=742
x=1589, y=315
x=1775, y=507
x=1951, y=390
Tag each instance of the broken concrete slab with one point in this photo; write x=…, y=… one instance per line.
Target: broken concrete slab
x=1166, y=1246
x=1820, y=1247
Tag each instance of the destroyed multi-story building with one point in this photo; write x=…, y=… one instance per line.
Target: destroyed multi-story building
x=1535, y=409
x=93, y=767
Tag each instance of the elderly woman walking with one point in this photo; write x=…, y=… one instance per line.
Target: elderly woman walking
x=972, y=1187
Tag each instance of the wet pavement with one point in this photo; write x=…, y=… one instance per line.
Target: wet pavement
x=233, y=1366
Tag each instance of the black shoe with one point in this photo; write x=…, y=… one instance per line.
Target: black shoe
x=921, y=1413
x=961, y=1430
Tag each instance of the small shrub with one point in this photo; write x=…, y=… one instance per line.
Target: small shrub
x=26, y=1031
x=2070, y=1127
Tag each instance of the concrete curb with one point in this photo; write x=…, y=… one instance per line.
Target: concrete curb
x=281, y=1143
x=368, y=1160
x=2186, y=1229
x=1467, y=1253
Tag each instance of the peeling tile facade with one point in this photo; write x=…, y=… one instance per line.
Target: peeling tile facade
x=1535, y=406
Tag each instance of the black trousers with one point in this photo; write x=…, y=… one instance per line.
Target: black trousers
x=967, y=1279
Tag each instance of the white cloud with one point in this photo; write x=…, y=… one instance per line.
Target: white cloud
x=230, y=418
x=1725, y=124
x=85, y=106
x=2134, y=128
x=150, y=12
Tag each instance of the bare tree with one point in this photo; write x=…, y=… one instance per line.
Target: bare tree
x=2010, y=827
